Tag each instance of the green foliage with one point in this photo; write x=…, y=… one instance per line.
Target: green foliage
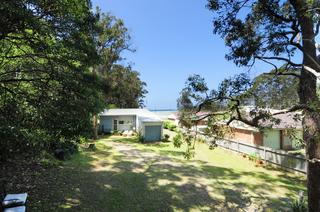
x=58, y=67
x=187, y=140
x=166, y=138
x=281, y=34
x=140, y=137
x=254, y=157
x=299, y=204
x=47, y=91
x=169, y=125
x=296, y=137
x=115, y=132
x=49, y=160
x=177, y=140
x=274, y=92
x=82, y=140
x=122, y=86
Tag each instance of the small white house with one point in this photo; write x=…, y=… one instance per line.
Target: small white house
x=140, y=120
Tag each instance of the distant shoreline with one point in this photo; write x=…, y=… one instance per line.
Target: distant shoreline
x=156, y=110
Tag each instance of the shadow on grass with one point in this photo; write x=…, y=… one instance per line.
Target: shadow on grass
x=130, y=179
x=172, y=153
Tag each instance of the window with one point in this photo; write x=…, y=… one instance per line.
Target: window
x=121, y=122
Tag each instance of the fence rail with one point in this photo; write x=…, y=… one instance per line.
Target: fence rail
x=277, y=157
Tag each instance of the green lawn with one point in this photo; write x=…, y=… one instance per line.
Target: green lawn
x=123, y=175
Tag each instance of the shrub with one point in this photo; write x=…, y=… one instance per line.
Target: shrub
x=166, y=125
x=172, y=127
x=169, y=125
x=82, y=140
x=253, y=157
x=201, y=140
x=166, y=138
x=49, y=160
x=64, y=148
x=140, y=137
x=177, y=140
x=299, y=204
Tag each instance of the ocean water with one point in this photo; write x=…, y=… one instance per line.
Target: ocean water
x=163, y=114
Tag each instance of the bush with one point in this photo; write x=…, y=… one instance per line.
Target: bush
x=166, y=125
x=140, y=138
x=253, y=157
x=49, y=160
x=115, y=132
x=169, y=125
x=172, y=127
x=177, y=140
x=166, y=138
x=19, y=142
x=64, y=148
x=299, y=205
x=82, y=140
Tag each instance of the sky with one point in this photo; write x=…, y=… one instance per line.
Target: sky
x=173, y=40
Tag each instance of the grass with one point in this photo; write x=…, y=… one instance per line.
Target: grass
x=123, y=175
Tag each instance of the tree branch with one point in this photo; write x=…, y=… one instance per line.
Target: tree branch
x=280, y=58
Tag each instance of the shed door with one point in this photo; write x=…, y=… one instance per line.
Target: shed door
x=152, y=133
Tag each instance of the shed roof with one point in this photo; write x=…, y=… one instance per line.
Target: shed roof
x=143, y=113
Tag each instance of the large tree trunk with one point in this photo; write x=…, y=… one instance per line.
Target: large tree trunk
x=311, y=119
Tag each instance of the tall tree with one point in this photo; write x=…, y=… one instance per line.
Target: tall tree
x=47, y=49
x=277, y=92
x=274, y=32
x=122, y=86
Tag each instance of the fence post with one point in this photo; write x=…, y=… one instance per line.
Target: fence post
x=265, y=154
x=238, y=146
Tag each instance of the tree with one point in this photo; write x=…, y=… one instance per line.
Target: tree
x=274, y=32
x=122, y=85
x=47, y=91
x=277, y=92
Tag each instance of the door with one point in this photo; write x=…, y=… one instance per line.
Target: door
x=115, y=124
x=152, y=133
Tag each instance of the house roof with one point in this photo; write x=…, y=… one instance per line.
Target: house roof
x=287, y=121
x=144, y=114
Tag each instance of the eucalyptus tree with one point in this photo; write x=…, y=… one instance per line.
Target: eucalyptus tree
x=47, y=48
x=281, y=33
x=277, y=92
x=122, y=86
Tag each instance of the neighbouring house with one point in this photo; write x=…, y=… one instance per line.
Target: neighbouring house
x=272, y=135
x=148, y=124
x=275, y=136
x=174, y=117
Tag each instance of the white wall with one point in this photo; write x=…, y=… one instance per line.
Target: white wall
x=128, y=122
